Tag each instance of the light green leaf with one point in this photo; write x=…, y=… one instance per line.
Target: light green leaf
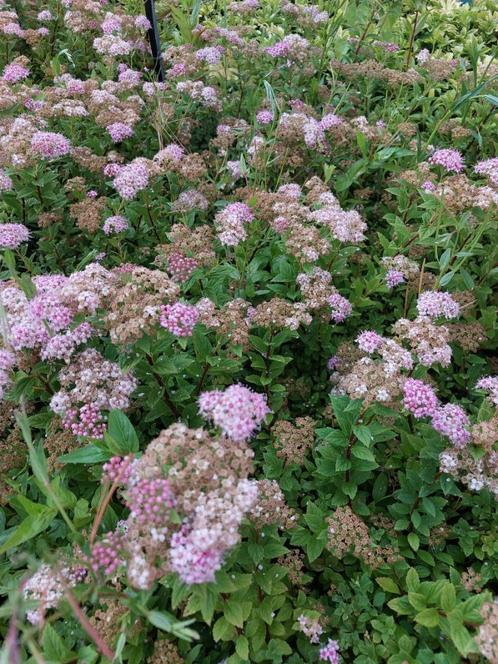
x=428, y=618
x=387, y=584
x=29, y=528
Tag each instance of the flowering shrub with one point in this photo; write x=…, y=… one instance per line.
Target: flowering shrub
x=248, y=361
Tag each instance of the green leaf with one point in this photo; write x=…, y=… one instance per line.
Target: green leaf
x=122, y=433
x=29, y=528
x=414, y=541
x=278, y=648
x=428, y=618
x=387, y=584
x=314, y=548
x=346, y=412
x=380, y=487
x=160, y=620
x=401, y=605
x=361, y=452
x=444, y=259
x=315, y=518
x=168, y=623
x=175, y=365
x=54, y=648
x=448, y=597
x=89, y=454
x=363, y=434
x=417, y=600
x=232, y=611
x=223, y=630
x=412, y=580
x=428, y=506
x=242, y=647
x=460, y=636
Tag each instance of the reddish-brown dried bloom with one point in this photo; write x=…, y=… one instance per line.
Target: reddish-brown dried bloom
x=294, y=441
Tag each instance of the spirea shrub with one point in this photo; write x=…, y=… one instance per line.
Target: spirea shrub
x=248, y=362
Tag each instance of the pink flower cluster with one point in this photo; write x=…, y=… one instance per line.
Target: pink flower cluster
x=293, y=47
x=437, y=304
x=394, y=278
x=449, y=420
x=344, y=225
x=6, y=183
x=395, y=357
x=148, y=500
x=310, y=627
x=89, y=385
x=112, y=45
x=32, y=322
x=341, y=307
x=192, y=563
x=13, y=235
x=118, y=469
x=181, y=267
x=45, y=15
x=7, y=363
x=230, y=223
x=179, y=318
x=14, y=72
x=419, y=398
x=106, y=555
x=131, y=179
x=46, y=588
x=489, y=384
x=171, y=154
x=238, y=411
x=62, y=346
x=369, y=341
x=488, y=167
x=197, y=551
x=50, y=145
x=449, y=159
x=119, y=131
x=330, y=652
x=264, y=117
x=211, y=55
x=115, y=224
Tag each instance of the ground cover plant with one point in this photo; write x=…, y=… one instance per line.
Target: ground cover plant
x=248, y=320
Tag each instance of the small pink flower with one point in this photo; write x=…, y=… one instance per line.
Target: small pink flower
x=452, y=421
x=50, y=145
x=238, y=411
x=341, y=307
x=115, y=224
x=264, y=117
x=369, y=341
x=449, y=159
x=13, y=235
x=14, y=73
x=119, y=131
x=179, y=318
x=419, y=398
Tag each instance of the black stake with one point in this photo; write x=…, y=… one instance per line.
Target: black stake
x=155, y=44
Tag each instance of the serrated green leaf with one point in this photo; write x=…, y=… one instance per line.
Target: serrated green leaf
x=428, y=618
x=448, y=597
x=122, y=433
